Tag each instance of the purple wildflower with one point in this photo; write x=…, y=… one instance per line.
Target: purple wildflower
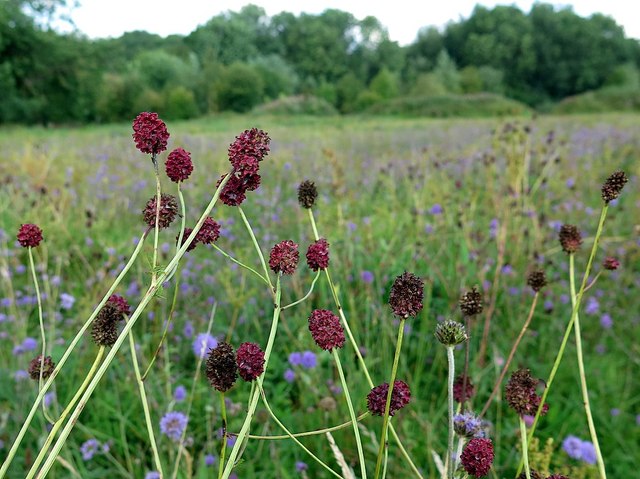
x=66, y=301
x=89, y=449
x=179, y=393
x=209, y=460
x=289, y=375
x=366, y=276
x=309, y=360
x=203, y=343
x=605, y=321
x=173, y=425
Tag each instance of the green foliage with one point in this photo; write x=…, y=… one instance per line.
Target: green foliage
x=477, y=105
x=428, y=84
x=600, y=101
x=180, y=104
x=384, y=85
x=240, y=88
x=280, y=79
x=297, y=105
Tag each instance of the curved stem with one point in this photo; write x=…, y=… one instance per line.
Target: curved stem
x=145, y=405
x=183, y=221
x=65, y=356
x=315, y=432
x=249, y=268
x=387, y=406
x=313, y=283
x=505, y=368
x=253, y=400
x=354, y=420
x=257, y=246
x=58, y=423
x=121, y=338
x=293, y=436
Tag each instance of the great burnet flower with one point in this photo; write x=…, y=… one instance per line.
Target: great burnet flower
x=406, y=295
x=209, y=232
x=179, y=165
x=284, y=257
x=477, y=457
x=104, y=327
x=318, y=255
x=221, y=368
x=610, y=263
x=471, y=302
x=459, y=394
x=307, y=194
x=557, y=476
x=537, y=280
x=150, y=133
x=520, y=393
x=249, y=146
x=167, y=213
x=29, y=235
x=326, y=329
x=235, y=191
x=377, y=398
x=613, y=186
x=250, y=361
x=570, y=238
x=37, y=364
x=534, y=475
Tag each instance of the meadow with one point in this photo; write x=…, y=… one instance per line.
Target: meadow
x=460, y=203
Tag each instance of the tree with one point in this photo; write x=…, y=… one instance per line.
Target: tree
x=241, y=88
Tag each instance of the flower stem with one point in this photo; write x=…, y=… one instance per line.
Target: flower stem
x=313, y=283
x=525, y=450
x=452, y=371
x=253, y=400
x=387, y=406
x=183, y=210
x=65, y=356
x=316, y=432
x=156, y=228
x=257, y=246
x=242, y=265
x=354, y=420
x=223, y=412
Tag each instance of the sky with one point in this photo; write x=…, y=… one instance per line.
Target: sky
x=403, y=18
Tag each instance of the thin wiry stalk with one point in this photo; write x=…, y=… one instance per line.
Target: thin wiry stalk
x=315, y=432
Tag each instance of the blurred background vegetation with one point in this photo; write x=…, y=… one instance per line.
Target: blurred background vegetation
x=499, y=61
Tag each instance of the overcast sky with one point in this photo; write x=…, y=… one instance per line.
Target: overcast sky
x=403, y=18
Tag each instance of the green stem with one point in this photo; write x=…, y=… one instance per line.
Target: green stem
x=313, y=283
x=242, y=265
x=525, y=449
x=450, y=379
x=65, y=356
x=354, y=420
x=183, y=210
x=253, y=400
x=223, y=411
x=256, y=246
x=145, y=405
x=156, y=228
x=567, y=333
x=387, y=406
x=583, y=377
x=60, y=421
x=121, y=338
x=293, y=436
x=315, y=432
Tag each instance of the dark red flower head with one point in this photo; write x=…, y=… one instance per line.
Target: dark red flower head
x=377, y=398
x=29, y=235
x=168, y=211
x=37, y=363
x=533, y=473
x=520, y=393
x=120, y=303
x=185, y=235
x=610, y=263
x=613, y=186
x=406, y=295
x=318, y=255
x=458, y=394
x=250, y=361
x=307, y=194
x=477, y=457
x=150, y=133
x=471, y=303
x=209, y=231
x=179, y=165
x=104, y=329
x=326, y=329
x=558, y=476
x=235, y=191
x=252, y=143
x=570, y=238
x=284, y=257
x=537, y=280
x=221, y=367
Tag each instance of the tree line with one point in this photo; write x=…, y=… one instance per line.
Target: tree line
x=238, y=60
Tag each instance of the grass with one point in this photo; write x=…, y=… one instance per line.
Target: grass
x=379, y=180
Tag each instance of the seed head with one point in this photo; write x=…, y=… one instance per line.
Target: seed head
x=458, y=394
x=250, y=361
x=570, y=238
x=326, y=329
x=168, y=211
x=104, y=329
x=307, y=194
x=471, y=303
x=221, y=367
x=537, y=280
x=610, y=263
x=406, y=295
x=29, y=235
x=150, y=133
x=477, y=457
x=318, y=255
x=534, y=475
x=377, y=398
x=451, y=333
x=284, y=257
x=179, y=165
x=47, y=367
x=613, y=186
x=520, y=393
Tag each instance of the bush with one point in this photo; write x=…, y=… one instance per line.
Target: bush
x=601, y=101
x=241, y=88
x=180, y=104
x=297, y=105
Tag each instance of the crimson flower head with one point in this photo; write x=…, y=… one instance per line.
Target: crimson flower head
x=29, y=235
x=209, y=231
x=253, y=143
x=168, y=211
x=179, y=165
x=318, y=255
x=520, y=393
x=570, y=238
x=120, y=303
x=377, y=398
x=235, y=191
x=37, y=364
x=326, y=329
x=185, y=235
x=459, y=394
x=406, y=295
x=250, y=361
x=150, y=133
x=284, y=257
x=610, y=263
x=477, y=457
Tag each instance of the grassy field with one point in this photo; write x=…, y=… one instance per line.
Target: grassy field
x=460, y=203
